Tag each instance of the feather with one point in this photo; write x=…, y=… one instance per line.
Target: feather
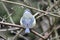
x=27, y=30
x=27, y=20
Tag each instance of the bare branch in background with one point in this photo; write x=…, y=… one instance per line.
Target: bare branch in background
x=7, y=12
x=39, y=12
x=10, y=24
x=34, y=8
x=10, y=29
x=38, y=34
x=17, y=34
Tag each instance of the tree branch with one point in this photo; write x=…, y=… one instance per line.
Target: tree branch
x=10, y=24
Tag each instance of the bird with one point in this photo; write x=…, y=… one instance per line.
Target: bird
x=27, y=20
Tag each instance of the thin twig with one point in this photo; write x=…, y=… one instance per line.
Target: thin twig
x=11, y=19
x=34, y=8
x=49, y=3
x=50, y=32
x=23, y=37
x=40, y=16
x=17, y=34
x=7, y=12
x=51, y=13
x=36, y=14
x=55, y=15
x=38, y=34
x=24, y=5
x=56, y=34
x=10, y=29
x=10, y=24
x=53, y=5
x=58, y=26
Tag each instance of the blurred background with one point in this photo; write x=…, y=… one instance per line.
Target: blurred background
x=47, y=19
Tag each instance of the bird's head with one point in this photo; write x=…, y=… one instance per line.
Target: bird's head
x=27, y=13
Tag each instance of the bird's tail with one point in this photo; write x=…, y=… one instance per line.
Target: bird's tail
x=27, y=30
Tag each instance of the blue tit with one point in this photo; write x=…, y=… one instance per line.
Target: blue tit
x=27, y=20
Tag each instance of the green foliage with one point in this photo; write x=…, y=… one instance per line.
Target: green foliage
x=18, y=12
x=2, y=11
